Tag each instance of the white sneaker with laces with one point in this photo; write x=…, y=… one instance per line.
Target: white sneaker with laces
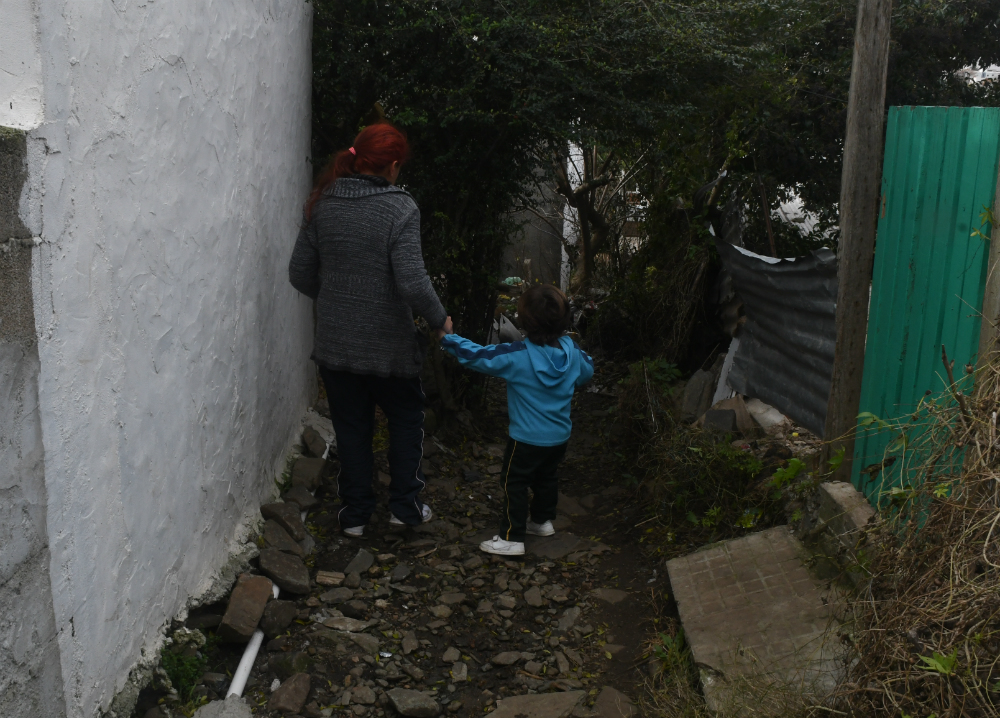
x=502, y=548
x=355, y=531
x=425, y=515
x=543, y=529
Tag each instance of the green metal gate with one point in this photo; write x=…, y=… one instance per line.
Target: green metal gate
x=940, y=170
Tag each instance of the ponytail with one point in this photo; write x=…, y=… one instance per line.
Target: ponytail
x=375, y=149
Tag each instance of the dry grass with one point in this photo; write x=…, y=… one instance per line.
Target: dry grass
x=927, y=635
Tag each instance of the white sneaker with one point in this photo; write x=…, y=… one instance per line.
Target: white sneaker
x=425, y=515
x=355, y=531
x=544, y=529
x=502, y=548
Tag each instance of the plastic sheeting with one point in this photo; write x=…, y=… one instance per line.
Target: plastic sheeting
x=785, y=355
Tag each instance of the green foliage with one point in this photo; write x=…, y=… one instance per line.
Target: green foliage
x=774, y=121
x=184, y=672
x=784, y=476
x=672, y=651
x=940, y=663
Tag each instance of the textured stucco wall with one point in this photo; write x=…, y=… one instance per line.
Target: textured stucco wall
x=20, y=65
x=173, y=352
x=30, y=680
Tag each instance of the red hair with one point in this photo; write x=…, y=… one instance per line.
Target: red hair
x=375, y=148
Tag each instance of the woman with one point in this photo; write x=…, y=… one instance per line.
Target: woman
x=358, y=254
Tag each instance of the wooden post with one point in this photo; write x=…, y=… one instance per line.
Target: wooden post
x=989, y=331
x=860, y=186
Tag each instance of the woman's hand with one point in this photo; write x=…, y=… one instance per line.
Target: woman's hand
x=446, y=329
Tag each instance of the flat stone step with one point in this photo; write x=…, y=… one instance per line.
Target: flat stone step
x=750, y=607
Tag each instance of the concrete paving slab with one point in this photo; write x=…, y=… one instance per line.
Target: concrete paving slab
x=750, y=606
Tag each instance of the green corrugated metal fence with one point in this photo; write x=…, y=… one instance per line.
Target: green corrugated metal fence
x=940, y=170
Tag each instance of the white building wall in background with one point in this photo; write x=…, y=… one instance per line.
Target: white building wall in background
x=169, y=176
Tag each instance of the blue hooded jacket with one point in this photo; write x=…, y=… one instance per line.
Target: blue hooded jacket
x=540, y=382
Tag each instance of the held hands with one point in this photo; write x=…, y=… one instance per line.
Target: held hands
x=446, y=329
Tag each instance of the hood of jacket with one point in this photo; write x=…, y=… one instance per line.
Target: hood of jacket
x=552, y=365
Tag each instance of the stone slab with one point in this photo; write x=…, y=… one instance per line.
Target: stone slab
x=542, y=705
x=749, y=605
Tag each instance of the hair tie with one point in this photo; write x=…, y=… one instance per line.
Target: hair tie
x=352, y=151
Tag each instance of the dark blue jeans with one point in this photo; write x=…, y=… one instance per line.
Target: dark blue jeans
x=353, y=398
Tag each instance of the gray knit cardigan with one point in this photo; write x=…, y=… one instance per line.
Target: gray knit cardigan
x=359, y=256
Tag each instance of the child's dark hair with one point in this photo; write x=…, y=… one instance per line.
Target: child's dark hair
x=544, y=313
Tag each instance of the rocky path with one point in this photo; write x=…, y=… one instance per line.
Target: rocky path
x=419, y=622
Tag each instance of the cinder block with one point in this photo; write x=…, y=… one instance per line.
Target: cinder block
x=844, y=509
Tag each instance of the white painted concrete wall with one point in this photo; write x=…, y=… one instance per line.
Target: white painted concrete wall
x=20, y=65
x=173, y=352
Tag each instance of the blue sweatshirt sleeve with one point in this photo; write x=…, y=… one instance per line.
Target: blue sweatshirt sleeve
x=495, y=359
x=586, y=368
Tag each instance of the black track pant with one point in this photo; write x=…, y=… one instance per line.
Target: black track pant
x=352, y=409
x=526, y=466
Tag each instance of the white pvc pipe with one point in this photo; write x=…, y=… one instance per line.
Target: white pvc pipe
x=249, y=656
x=239, y=681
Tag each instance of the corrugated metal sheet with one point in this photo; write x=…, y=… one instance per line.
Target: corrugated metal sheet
x=785, y=356
x=940, y=170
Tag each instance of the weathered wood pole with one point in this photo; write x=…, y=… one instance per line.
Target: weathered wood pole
x=859, y=201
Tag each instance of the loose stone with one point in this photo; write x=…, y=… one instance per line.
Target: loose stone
x=363, y=694
x=278, y=615
x=285, y=665
x=308, y=473
x=299, y=495
x=450, y=599
x=413, y=703
x=451, y=655
x=276, y=537
x=410, y=643
x=568, y=619
x=360, y=563
x=288, y=516
x=285, y=570
x=343, y=623
x=533, y=597
x=291, y=695
x=459, y=672
x=313, y=442
x=246, y=606
x=440, y=611
x=337, y=595
x=329, y=578
x=507, y=658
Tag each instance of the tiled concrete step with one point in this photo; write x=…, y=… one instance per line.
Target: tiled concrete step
x=752, y=611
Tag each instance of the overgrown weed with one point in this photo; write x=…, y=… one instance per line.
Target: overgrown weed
x=702, y=486
x=927, y=622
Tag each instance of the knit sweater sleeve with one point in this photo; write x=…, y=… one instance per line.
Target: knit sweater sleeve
x=412, y=282
x=303, y=268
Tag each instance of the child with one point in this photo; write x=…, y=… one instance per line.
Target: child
x=542, y=373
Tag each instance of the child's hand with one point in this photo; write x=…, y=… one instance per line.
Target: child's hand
x=448, y=328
